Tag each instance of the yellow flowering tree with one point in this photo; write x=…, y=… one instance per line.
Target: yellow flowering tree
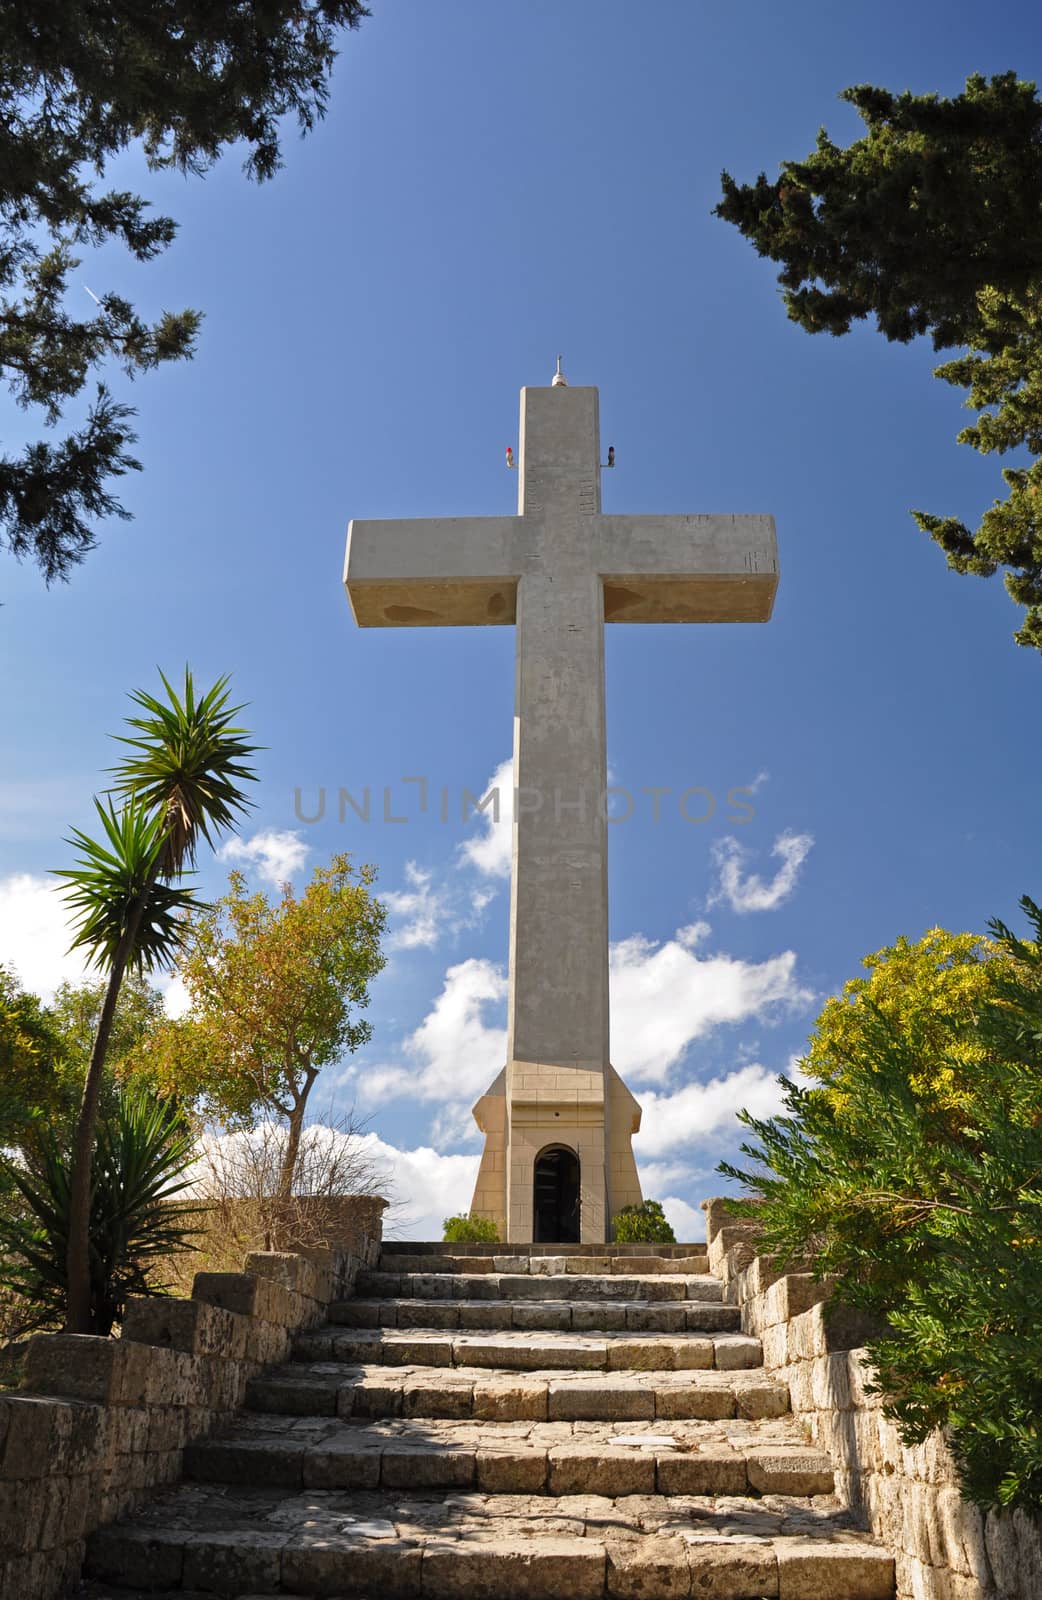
x=276, y=993
x=929, y=991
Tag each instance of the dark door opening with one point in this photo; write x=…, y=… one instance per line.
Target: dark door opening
x=556, y=1209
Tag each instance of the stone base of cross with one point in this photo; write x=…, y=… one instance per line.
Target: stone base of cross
x=558, y=1120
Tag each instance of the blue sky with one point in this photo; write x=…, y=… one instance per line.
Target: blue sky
x=492, y=185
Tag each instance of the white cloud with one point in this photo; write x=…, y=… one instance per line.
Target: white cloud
x=747, y=891
x=176, y=1000
x=277, y=854
x=687, y=1222
x=426, y=1186
x=656, y=1176
x=455, y=1052
x=699, y=1111
x=424, y=911
x=35, y=934
x=491, y=851
x=665, y=996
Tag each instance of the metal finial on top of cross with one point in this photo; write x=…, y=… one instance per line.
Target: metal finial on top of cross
x=559, y=380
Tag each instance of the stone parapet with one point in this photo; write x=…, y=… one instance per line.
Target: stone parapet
x=102, y=1421
x=945, y=1548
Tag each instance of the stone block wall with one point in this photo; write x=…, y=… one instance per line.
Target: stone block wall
x=945, y=1548
x=100, y=1422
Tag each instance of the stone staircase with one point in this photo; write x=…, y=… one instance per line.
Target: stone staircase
x=507, y=1427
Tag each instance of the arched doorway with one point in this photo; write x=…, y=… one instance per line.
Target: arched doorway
x=556, y=1199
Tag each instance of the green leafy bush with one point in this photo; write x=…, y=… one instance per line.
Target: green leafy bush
x=929, y=1214
x=643, y=1224
x=470, y=1230
x=141, y=1157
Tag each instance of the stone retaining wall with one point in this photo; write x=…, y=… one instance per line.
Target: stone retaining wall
x=944, y=1547
x=100, y=1422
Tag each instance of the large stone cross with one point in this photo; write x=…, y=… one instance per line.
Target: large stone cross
x=558, y=1119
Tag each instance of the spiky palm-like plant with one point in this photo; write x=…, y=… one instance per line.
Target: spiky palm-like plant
x=179, y=782
x=140, y=1212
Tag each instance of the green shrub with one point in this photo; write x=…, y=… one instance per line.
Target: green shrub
x=930, y=1216
x=470, y=1230
x=143, y=1151
x=643, y=1224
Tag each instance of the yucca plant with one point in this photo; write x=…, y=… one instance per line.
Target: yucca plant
x=179, y=783
x=138, y=1213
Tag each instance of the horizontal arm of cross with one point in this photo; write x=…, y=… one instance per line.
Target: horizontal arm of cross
x=432, y=572
x=687, y=569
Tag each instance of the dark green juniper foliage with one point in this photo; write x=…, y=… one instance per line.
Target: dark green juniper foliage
x=932, y=223
x=79, y=82
x=934, y=1221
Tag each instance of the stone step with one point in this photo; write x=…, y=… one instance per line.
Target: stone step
x=537, y=1286
x=580, y=1316
x=549, y=1458
x=326, y=1390
x=696, y=1260
x=328, y=1542
x=433, y=1248
x=517, y=1350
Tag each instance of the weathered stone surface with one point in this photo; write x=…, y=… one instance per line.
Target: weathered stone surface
x=251, y=1296
x=486, y=1314
x=230, y=1563
x=723, y=1571
x=761, y=1400
x=662, y=1317
x=659, y=1356
x=735, y=1352
x=495, y=1568
x=604, y=1470
x=84, y=1367
x=332, y=1565
x=789, y=1471
x=635, y=1572
x=278, y=1463
x=294, y=1396
x=544, y=1316
x=343, y=1461
x=815, y=1570
x=695, y=1400
x=710, y=1472
x=791, y=1295
x=287, y=1268
x=191, y=1326
x=415, y=1467
x=136, y=1556
x=510, y=1401
x=427, y=1314
x=437, y=1396
x=570, y=1400
x=517, y=1471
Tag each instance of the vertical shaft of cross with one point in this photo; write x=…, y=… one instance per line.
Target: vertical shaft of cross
x=557, y=1077
x=558, y=1008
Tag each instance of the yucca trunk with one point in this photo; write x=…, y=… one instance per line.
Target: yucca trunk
x=78, y=1310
